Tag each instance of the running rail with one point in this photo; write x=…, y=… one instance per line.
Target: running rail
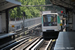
x=18, y=45
x=32, y=44
x=37, y=45
x=48, y=45
x=14, y=43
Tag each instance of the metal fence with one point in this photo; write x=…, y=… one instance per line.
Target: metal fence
x=27, y=23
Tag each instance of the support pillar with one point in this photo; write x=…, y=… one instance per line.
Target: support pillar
x=7, y=21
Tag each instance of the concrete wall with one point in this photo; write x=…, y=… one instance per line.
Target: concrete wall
x=27, y=23
x=3, y=22
x=70, y=21
x=73, y=21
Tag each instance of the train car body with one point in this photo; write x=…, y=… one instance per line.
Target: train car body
x=50, y=25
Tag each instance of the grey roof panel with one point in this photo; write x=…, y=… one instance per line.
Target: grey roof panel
x=14, y=2
x=6, y=4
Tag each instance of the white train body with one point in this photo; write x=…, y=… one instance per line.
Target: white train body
x=45, y=25
x=50, y=24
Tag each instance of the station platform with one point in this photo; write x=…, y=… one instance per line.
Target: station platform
x=6, y=37
x=65, y=41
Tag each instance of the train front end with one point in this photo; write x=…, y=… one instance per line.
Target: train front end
x=50, y=26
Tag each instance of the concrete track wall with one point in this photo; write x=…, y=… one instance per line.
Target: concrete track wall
x=27, y=23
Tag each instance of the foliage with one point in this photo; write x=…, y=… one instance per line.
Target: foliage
x=48, y=7
x=53, y=8
x=29, y=11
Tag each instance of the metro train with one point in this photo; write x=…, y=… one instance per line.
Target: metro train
x=50, y=25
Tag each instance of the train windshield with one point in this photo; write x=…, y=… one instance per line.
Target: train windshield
x=50, y=20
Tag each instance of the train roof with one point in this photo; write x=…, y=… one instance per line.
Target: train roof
x=49, y=13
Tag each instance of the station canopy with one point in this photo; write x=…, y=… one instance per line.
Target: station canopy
x=6, y=4
x=64, y=3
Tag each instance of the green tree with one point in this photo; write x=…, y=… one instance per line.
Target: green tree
x=30, y=11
